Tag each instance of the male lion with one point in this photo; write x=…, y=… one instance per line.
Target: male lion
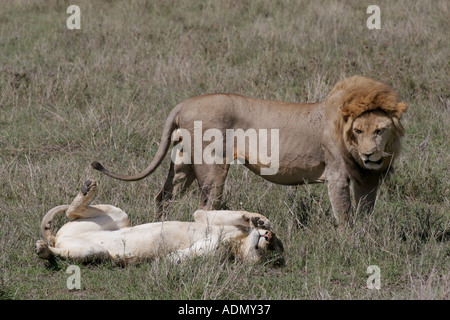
x=102, y=232
x=353, y=135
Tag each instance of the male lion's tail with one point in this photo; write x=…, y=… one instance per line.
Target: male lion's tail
x=46, y=224
x=164, y=145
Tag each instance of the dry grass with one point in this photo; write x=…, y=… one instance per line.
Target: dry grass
x=103, y=93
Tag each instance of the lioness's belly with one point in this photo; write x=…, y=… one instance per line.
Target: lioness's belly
x=148, y=240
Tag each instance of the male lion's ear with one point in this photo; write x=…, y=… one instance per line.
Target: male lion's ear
x=401, y=108
x=344, y=112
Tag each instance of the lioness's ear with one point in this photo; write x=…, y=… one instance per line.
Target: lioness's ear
x=401, y=108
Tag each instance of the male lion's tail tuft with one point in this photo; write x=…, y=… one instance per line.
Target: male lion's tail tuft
x=169, y=128
x=98, y=166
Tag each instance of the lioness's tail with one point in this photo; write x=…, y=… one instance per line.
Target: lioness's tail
x=169, y=127
x=46, y=224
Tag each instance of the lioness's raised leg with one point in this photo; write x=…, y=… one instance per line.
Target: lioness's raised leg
x=68, y=244
x=178, y=181
x=79, y=207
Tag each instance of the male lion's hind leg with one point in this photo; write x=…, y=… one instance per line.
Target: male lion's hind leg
x=79, y=208
x=211, y=180
x=178, y=181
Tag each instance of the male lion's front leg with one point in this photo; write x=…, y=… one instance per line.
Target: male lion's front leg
x=232, y=218
x=339, y=194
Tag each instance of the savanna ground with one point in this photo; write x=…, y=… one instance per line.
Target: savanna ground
x=69, y=97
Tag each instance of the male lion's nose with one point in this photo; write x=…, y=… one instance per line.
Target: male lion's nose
x=367, y=155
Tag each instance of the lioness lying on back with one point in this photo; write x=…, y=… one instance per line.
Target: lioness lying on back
x=102, y=232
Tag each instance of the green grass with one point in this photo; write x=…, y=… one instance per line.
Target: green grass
x=103, y=93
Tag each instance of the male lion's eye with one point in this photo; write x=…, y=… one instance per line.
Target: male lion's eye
x=379, y=131
x=357, y=131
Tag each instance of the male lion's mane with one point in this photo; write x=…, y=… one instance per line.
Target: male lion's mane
x=357, y=96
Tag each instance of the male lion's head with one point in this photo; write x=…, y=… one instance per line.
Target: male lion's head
x=369, y=121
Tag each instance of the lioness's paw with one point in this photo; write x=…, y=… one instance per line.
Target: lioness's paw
x=260, y=223
x=257, y=220
x=42, y=250
x=89, y=187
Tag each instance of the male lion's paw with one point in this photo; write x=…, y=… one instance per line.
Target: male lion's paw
x=42, y=250
x=89, y=187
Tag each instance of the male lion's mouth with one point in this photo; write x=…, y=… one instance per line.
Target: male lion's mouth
x=375, y=162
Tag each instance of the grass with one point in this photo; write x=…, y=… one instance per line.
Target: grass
x=103, y=93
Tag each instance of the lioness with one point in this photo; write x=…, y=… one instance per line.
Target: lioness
x=353, y=135
x=102, y=232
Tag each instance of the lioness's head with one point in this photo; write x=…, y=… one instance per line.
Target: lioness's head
x=261, y=244
x=369, y=121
